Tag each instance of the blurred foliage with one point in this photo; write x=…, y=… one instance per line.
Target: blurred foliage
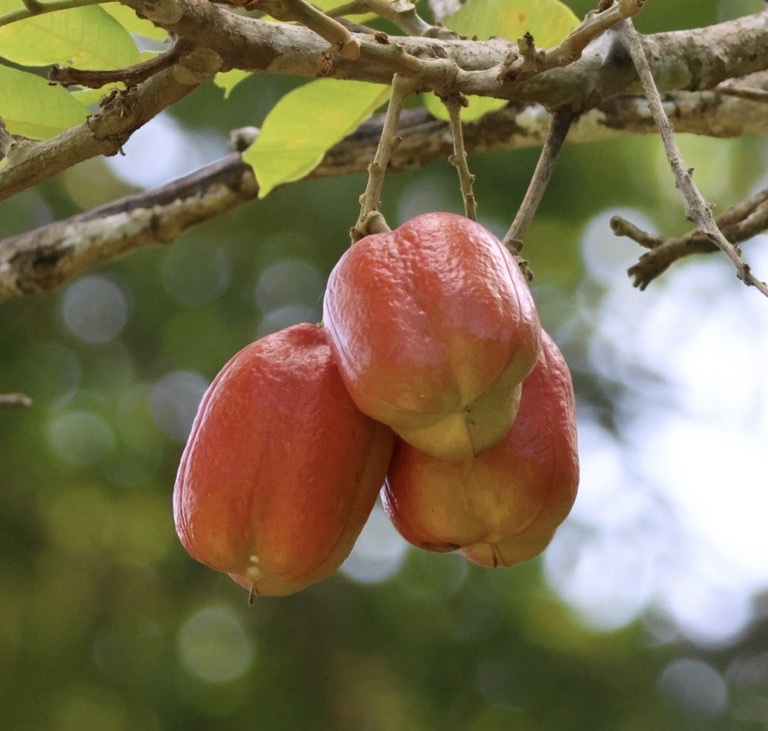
x=105, y=622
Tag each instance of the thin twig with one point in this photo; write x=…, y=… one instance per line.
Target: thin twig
x=458, y=159
x=370, y=219
x=130, y=76
x=698, y=210
x=529, y=61
x=316, y=20
x=558, y=131
x=594, y=24
x=400, y=12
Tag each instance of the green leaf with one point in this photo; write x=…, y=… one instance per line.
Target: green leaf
x=548, y=21
x=86, y=38
x=228, y=80
x=305, y=124
x=32, y=108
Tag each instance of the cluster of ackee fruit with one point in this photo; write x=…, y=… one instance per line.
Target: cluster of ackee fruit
x=430, y=382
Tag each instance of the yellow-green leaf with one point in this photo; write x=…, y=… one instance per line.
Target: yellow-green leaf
x=133, y=23
x=228, y=80
x=362, y=17
x=32, y=108
x=86, y=38
x=305, y=124
x=548, y=21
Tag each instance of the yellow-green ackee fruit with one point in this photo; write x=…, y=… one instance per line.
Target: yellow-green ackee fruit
x=503, y=506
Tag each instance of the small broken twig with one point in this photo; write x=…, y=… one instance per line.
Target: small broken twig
x=15, y=399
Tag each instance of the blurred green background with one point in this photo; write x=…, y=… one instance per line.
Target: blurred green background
x=647, y=612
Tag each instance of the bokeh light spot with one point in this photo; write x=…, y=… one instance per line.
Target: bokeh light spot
x=94, y=309
x=163, y=150
x=196, y=272
x=90, y=708
x=290, y=282
x=695, y=686
x=80, y=437
x=214, y=647
x=173, y=402
x=285, y=317
x=378, y=553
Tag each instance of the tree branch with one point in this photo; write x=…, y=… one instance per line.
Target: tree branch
x=696, y=59
x=49, y=256
x=739, y=223
x=699, y=211
x=122, y=113
x=558, y=131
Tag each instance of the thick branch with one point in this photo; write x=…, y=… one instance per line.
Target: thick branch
x=45, y=258
x=695, y=59
x=49, y=256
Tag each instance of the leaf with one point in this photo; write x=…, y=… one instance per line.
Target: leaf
x=228, y=80
x=362, y=17
x=86, y=37
x=548, y=21
x=305, y=124
x=478, y=106
x=133, y=23
x=32, y=108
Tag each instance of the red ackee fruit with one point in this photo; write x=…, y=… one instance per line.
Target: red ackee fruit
x=281, y=469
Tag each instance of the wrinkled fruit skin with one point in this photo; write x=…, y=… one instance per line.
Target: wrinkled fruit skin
x=434, y=329
x=281, y=470
x=504, y=506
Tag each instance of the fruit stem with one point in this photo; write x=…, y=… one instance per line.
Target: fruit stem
x=558, y=130
x=370, y=219
x=454, y=103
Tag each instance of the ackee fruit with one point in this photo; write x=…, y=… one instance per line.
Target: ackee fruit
x=281, y=469
x=503, y=506
x=433, y=328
